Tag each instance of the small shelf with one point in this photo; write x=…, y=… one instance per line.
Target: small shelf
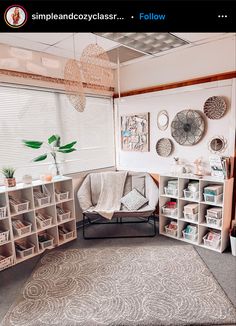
x=25, y=192
x=199, y=207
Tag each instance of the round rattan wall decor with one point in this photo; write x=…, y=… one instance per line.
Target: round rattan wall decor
x=162, y=120
x=215, y=107
x=187, y=127
x=164, y=147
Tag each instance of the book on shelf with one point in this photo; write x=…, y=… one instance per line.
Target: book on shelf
x=220, y=166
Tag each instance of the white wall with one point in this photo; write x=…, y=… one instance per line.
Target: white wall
x=186, y=63
x=173, y=101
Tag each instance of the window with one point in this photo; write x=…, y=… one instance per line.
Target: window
x=36, y=114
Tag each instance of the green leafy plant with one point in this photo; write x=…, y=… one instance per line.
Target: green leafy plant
x=8, y=172
x=53, y=146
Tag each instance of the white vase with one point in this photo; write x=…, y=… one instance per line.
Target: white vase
x=233, y=245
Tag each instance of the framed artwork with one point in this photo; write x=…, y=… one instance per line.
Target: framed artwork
x=135, y=132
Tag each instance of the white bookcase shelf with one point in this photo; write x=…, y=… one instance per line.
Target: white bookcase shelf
x=202, y=226
x=26, y=192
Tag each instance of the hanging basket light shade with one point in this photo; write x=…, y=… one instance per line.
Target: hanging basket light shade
x=73, y=85
x=97, y=69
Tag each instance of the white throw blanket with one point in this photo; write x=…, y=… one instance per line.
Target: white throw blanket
x=112, y=188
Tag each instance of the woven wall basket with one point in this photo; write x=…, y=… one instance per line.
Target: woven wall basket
x=74, y=86
x=215, y=107
x=187, y=127
x=164, y=147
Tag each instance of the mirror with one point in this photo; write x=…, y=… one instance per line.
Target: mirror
x=162, y=120
x=217, y=144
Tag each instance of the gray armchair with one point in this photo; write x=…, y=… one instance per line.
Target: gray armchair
x=89, y=192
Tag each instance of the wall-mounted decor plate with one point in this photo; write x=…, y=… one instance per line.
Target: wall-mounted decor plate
x=164, y=147
x=187, y=127
x=215, y=107
x=217, y=144
x=162, y=120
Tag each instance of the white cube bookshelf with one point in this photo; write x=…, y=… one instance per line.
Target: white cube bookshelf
x=199, y=221
x=8, y=214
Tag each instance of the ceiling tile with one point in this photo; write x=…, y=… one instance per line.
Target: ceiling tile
x=45, y=38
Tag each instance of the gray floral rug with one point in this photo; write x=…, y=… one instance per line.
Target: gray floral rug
x=122, y=286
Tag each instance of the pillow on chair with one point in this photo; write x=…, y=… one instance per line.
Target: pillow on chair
x=133, y=200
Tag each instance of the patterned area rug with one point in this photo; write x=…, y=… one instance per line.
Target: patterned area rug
x=122, y=286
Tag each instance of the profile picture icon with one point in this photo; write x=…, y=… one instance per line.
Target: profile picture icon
x=15, y=16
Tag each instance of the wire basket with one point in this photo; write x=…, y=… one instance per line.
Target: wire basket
x=214, y=199
x=213, y=221
x=171, y=192
x=48, y=243
x=42, y=201
x=45, y=223
x=67, y=236
x=190, y=216
x=173, y=212
x=62, y=196
x=188, y=194
x=211, y=243
x=18, y=208
x=170, y=231
x=4, y=236
x=6, y=262
x=27, y=252
x=24, y=230
x=64, y=217
x=190, y=236
x=3, y=212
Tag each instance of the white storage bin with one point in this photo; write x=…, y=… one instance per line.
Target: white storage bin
x=171, y=192
x=213, y=221
x=4, y=236
x=214, y=199
x=46, y=244
x=44, y=223
x=42, y=201
x=64, y=217
x=67, y=236
x=170, y=211
x=62, y=196
x=27, y=252
x=190, y=216
x=18, y=208
x=214, y=213
x=3, y=212
x=170, y=231
x=188, y=194
x=24, y=230
x=211, y=243
x=6, y=262
x=190, y=236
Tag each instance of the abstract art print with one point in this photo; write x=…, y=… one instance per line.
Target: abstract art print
x=135, y=132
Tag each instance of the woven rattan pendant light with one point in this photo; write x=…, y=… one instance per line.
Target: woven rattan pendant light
x=97, y=69
x=73, y=83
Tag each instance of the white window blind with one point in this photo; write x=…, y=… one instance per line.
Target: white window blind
x=35, y=115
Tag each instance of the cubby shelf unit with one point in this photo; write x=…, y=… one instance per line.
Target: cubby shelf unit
x=61, y=185
x=202, y=226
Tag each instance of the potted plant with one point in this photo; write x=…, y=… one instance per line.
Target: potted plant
x=8, y=173
x=233, y=239
x=53, y=147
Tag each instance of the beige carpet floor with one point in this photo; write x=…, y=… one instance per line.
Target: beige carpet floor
x=122, y=286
